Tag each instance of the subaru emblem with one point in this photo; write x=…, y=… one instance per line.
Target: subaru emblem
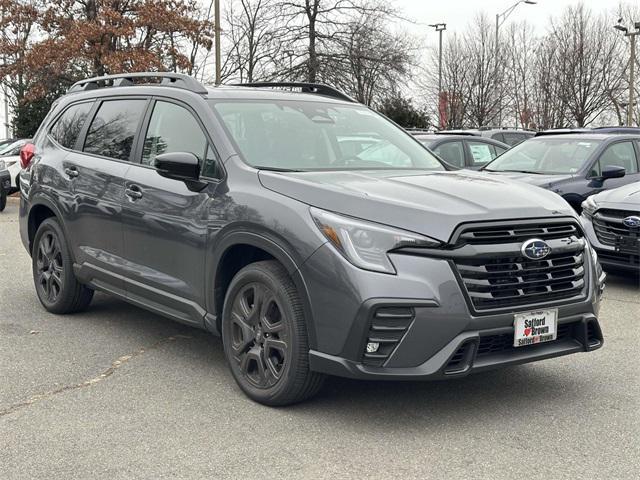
x=535, y=249
x=632, y=222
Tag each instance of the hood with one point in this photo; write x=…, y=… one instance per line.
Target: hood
x=430, y=203
x=629, y=195
x=544, y=181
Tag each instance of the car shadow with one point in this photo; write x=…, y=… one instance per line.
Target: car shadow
x=390, y=404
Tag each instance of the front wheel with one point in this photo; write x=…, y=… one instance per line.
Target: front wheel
x=56, y=285
x=3, y=198
x=265, y=337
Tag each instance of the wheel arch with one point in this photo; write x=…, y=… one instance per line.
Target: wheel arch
x=238, y=249
x=41, y=209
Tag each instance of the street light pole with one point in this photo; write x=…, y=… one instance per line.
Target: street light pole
x=632, y=66
x=440, y=27
x=500, y=19
x=217, y=40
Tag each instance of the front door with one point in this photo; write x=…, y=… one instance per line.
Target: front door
x=618, y=154
x=165, y=221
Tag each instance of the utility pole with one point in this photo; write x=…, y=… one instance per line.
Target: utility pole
x=440, y=28
x=500, y=19
x=632, y=65
x=217, y=40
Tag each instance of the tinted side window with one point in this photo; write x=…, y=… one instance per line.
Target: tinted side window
x=498, y=136
x=621, y=154
x=173, y=128
x=67, y=127
x=451, y=152
x=113, y=129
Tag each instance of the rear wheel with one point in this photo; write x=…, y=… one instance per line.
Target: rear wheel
x=265, y=337
x=3, y=198
x=56, y=285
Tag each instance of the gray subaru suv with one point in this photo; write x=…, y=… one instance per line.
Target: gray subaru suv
x=236, y=210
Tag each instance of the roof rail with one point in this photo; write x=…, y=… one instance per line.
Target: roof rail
x=171, y=79
x=563, y=131
x=317, y=88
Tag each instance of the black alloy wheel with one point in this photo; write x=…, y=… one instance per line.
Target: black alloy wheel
x=264, y=333
x=259, y=336
x=49, y=267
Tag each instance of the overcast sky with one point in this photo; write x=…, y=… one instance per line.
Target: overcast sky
x=457, y=13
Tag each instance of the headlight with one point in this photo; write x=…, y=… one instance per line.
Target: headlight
x=366, y=244
x=589, y=207
x=2, y=165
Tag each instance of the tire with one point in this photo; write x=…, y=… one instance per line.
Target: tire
x=3, y=199
x=56, y=285
x=265, y=336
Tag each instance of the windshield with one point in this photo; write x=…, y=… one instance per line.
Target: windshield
x=546, y=155
x=294, y=135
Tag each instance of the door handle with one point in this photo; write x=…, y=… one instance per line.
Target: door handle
x=71, y=172
x=133, y=192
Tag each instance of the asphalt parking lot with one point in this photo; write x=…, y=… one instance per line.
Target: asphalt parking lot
x=119, y=393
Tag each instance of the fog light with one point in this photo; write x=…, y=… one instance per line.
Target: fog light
x=372, y=347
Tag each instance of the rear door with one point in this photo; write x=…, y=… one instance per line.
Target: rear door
x=97, y=174
x=165, y=220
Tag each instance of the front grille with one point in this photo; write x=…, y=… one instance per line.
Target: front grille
x=612, y=232
x=387, y=327
x=495, y=344
x=612, y=256
x=515, y=281
x=516, y=233
x=496, y=275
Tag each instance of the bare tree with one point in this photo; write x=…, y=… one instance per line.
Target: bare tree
x=585, y=45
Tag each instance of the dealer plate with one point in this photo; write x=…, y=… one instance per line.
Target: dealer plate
x=531, y=328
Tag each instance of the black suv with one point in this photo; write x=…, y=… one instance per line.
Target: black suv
x=236, y=210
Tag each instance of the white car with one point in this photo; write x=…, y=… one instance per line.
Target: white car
x=10, y=155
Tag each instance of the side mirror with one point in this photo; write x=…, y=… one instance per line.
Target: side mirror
x=178, y=166
x=612, y=171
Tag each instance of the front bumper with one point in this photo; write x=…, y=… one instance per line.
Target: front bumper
x=443, y=337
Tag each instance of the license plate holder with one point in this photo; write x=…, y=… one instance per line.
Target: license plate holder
x=535, y=327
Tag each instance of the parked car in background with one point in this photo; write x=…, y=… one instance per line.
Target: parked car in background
x=6, y=141
x=234, y=209
x=508, y=136
x=10, y=154
x=575, y=166
x=5, y=184
x=463, y=151
x=611, y=221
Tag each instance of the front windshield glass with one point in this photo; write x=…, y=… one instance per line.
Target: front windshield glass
x=294, y=135
x=546, y=155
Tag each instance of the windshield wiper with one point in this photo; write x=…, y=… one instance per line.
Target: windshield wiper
x=277, y=169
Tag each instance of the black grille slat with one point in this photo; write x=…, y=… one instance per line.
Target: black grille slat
x=387, y=327
x=515, y=234
x=495, y=280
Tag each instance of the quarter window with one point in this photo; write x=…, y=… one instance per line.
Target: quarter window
x=66, y=129
x=113, y=129
x=173, y=128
